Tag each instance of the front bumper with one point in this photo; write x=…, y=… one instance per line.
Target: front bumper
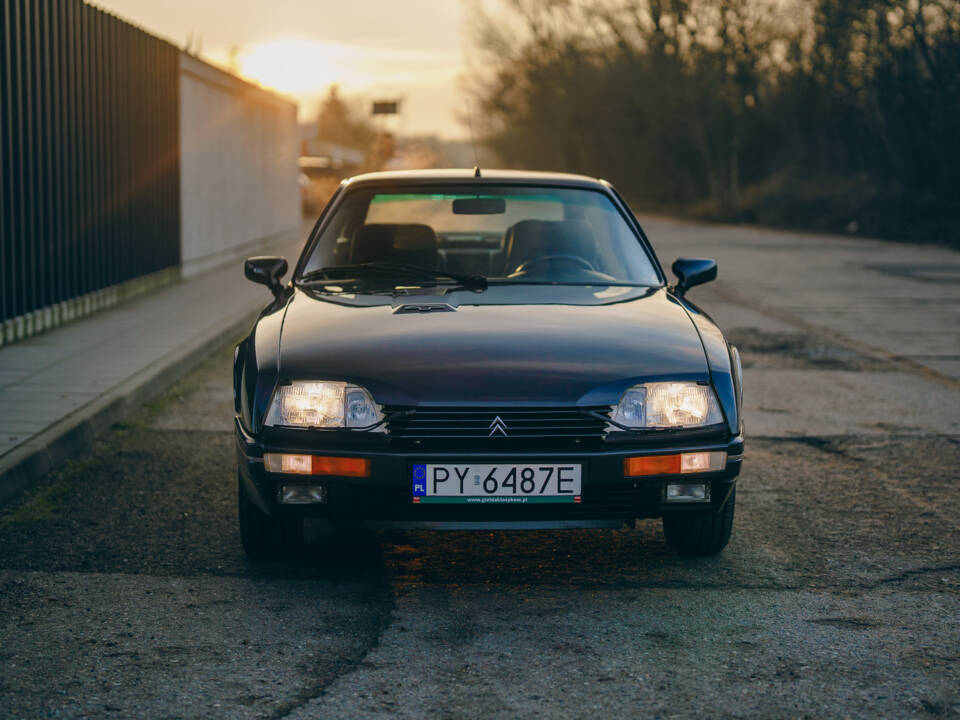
x=385, y=498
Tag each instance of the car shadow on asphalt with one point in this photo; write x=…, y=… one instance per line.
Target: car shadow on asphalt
x=607, y=558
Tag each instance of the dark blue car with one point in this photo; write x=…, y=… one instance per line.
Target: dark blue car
x=466, y=349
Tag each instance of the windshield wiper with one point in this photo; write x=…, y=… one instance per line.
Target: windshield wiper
x=476, y=283
x=571, y=283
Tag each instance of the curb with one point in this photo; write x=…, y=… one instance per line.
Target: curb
x=50, y=317
x=69, y=437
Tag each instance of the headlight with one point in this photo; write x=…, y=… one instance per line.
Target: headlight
x=668, y=405
x=322, y=405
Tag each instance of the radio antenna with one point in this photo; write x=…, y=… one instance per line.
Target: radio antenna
x=473, y=139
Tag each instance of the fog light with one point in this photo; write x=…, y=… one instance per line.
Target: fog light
x=316, y=465
x=687, y=492
x=301, y=494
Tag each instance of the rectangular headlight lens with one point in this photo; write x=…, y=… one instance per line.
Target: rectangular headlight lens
x=323, y=404
x=309, y=404
x=667, y=405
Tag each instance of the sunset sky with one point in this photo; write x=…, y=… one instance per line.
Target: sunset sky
x=371, y=48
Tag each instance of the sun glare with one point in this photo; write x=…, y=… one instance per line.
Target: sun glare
x=296, y=66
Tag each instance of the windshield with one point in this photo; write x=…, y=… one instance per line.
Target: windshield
x=505, y=234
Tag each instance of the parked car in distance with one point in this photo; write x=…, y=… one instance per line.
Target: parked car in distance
x=465, y=349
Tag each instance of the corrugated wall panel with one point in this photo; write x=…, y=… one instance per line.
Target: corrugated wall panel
x=5, y=120
x=89, y=153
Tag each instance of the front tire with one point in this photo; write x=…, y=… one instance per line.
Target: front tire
x=698, y=533
x=265, y=537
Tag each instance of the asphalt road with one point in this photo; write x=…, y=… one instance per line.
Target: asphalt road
x=124, y=591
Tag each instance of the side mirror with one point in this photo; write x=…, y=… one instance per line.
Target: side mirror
x=267, y=271
x=693, y=271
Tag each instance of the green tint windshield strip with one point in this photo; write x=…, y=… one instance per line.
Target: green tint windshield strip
x=413, y=197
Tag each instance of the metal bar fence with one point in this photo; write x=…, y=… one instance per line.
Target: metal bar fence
x=89, y=153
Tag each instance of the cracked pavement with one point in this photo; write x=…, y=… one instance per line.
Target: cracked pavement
x=124, y=591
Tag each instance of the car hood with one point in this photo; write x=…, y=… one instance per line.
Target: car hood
x=488, y=354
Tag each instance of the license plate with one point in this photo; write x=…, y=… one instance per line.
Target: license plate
x=497, y=484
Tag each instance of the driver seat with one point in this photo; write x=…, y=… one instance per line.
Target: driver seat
x=529, y=239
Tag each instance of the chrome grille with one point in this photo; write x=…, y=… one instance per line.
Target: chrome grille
x=496, y=423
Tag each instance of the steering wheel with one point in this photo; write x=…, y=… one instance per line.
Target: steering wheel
x=574, y=259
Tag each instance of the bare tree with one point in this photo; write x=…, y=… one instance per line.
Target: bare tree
x=799, y=112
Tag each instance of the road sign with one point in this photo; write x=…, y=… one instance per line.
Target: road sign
x=386, y=107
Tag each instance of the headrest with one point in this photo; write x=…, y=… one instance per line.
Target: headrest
x=412, y=244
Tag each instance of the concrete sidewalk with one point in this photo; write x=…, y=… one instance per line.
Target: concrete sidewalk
x=58, y=390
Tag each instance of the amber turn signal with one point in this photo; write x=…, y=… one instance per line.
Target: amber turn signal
x=651, y=465
x=674, y=464
x=350, y=467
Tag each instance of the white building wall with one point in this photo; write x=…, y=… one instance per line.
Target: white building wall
x=238, y=166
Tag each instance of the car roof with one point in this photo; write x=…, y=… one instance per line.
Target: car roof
x=495, y=177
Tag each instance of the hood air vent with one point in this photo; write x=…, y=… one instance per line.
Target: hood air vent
x=424, y=308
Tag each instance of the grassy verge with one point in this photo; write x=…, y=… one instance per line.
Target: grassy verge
x=45, y=501
x=854, y=206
